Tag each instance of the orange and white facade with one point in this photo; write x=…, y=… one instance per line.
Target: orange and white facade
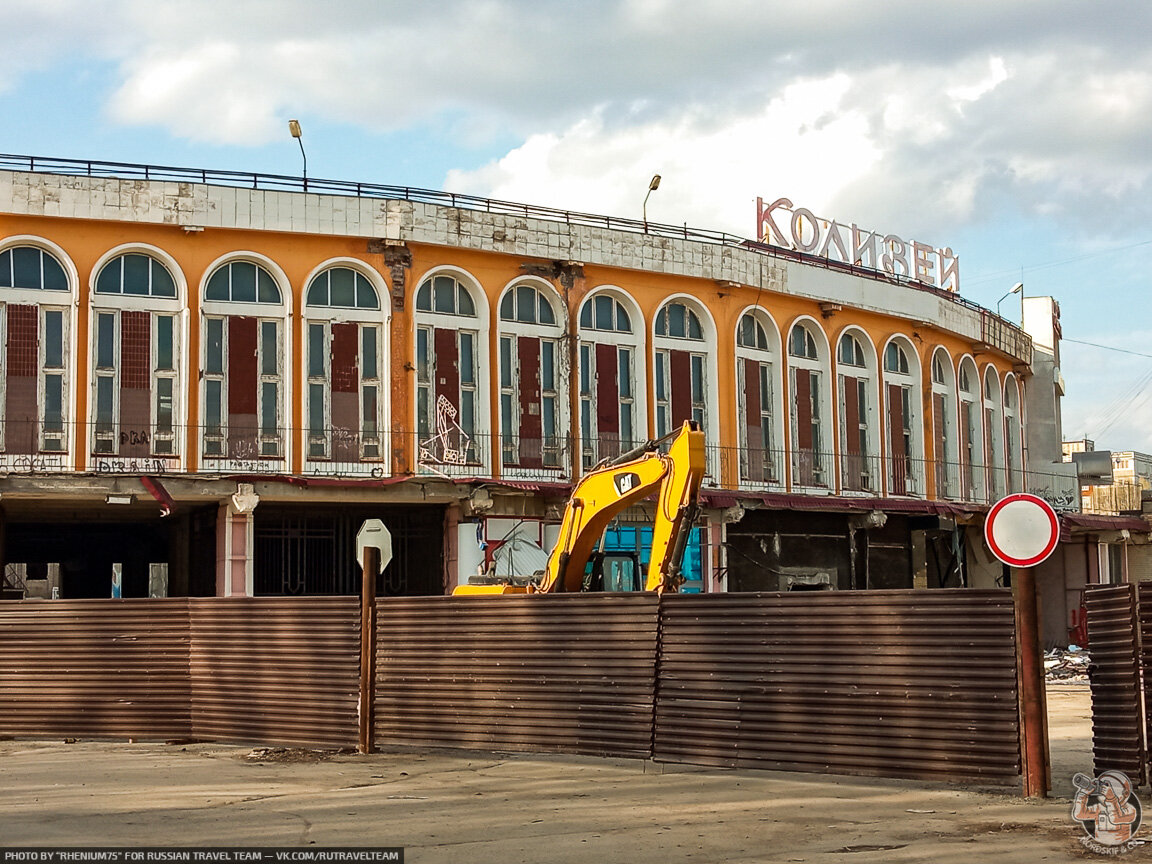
x=234, y=373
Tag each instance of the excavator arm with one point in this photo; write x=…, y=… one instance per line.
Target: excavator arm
x=607, y=490
x=603, y=493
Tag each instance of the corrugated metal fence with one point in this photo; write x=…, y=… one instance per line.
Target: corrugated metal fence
x=1117, y=715
x=277, y=671
x=889, y=683
x=115, y=668
x=566, y=673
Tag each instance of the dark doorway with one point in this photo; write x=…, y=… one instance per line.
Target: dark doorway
x=312, y=550
x=86, y=552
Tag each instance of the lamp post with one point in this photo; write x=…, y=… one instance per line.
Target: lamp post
x=1018, y=288
x=294, y=129
x=653, y=185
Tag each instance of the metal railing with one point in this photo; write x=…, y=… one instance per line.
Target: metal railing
x=28, y=447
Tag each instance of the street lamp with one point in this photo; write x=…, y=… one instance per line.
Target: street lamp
x=294, y=129
x=653, y=185
x=1018, y=288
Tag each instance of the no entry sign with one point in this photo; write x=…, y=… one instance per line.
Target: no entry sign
x=1022, y=530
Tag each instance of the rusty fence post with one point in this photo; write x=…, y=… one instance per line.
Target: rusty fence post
x=369, y=568
x=1030, y=679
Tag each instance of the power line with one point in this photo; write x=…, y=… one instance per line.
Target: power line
x=1106, y=347
x=993, y=277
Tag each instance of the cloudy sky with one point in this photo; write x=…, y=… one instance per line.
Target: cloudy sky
x=1017, y=132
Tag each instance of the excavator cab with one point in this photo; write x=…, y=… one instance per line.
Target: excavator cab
x=613, y=571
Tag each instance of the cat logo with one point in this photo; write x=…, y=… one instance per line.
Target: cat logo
x=624, y=483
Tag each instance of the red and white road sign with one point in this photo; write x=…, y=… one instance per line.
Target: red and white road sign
x=1022, y=530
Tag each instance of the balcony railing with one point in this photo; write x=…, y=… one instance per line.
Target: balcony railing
x=29, y=447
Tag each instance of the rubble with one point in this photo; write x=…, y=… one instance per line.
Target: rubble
x=1067, y=665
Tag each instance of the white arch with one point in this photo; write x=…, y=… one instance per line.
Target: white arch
x=914, y=481
x=815, y=467
x=709, y=348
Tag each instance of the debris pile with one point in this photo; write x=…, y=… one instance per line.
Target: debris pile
x=1068, y=665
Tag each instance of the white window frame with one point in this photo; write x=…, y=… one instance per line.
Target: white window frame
x=910, y=384
x=974, y=397
x=704, y=352
x=947, y=388
x=870, y=481
x=278, y=313
x=479, y=328
x=634, y=341
x=116, y=304
x=326, y=316
x=825, y=464
x=66, y=302
x=771, y=358
x=509, y=386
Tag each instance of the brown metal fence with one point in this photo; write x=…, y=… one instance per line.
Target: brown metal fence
x=276, y=670
x=95, y=668
x=1117, y=714
x=566, y=673
x=891, y=683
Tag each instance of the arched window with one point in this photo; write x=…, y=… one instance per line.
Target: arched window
x=445, y=295
x=681, y=368
x=243, y=366
x=342, y=288
x=856, y=390
x=532, y=379
x=611, y=403
x=757, y=356
x=35, y=335
x=449, y=390
x=30, y=268
x=243, y=282
x=136, y=275
x=895, y=359
x=137, y=348
x=944, y=448
x=344, y=361
x=1014, y=433
x=971, y=433
x=902, y=410
x=811, y=404
x=851, y=351
x=677, y=321
x=995, y=480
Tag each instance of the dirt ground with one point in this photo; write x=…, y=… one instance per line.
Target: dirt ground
x=457, y=807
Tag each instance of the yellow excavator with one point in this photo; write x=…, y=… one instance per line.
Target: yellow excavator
x=604, y=492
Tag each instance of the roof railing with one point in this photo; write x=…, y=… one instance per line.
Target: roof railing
x=284, y=182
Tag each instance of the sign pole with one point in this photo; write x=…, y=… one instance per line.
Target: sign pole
x=1022, y=530
x=1033, y=751
x=370, y=568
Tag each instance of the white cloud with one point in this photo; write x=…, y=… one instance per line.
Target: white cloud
x=797, y=146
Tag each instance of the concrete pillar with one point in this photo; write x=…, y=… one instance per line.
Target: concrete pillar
x=235, y=543
x=234, y=573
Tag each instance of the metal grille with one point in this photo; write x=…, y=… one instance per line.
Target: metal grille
x=917, y=684
x=276, y=670
x=310, y=551
x=565, y=673
x=95, y=668
x=1114, y=676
